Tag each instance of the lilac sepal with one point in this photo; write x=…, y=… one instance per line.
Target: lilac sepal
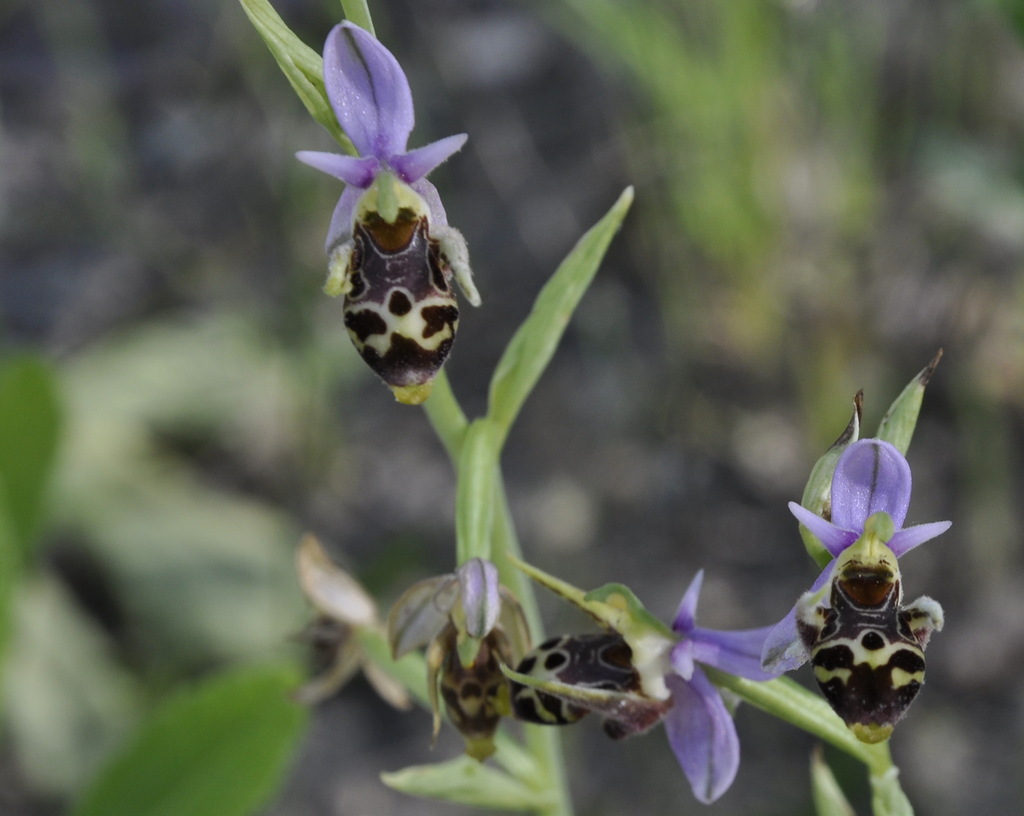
x=702, y=735
x=871, y=476
x=834, y=538
x=415, y=164
x=368, y=90
x=686, y=615
x=351, y=170
x=737, y=652
x=905, y=540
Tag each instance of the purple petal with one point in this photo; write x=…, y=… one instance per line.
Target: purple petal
x=737, y=652
x=415, y=164
x=703, y=736
x=686, y=614
x=357, y=172
x=368, y=91
x=871, y=476
x=783, y=649
x=908, y=538
x=438, y=217
x=682, y=658
x=341, y=222
x=481, y=601
x=834, y=538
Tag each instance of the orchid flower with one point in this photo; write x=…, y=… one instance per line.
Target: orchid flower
x=391, y=252
x=871, y=477
x=658, y=677
x=469, y=624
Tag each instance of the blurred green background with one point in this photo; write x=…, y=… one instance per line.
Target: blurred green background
x=827, y=192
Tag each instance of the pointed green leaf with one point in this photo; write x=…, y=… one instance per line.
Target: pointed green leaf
x=467, y=782
x=474, y=495
x=534, y=344
x=219, y=749
x=817, y=495
x=828, y=796
x=898, y=424
x=30, y=420
x=301, y=65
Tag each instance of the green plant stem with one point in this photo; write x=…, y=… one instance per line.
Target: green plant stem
x=447, y=417
x=358, y=12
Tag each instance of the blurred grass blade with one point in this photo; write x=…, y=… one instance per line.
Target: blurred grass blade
x=533, y=345
x=220, y=749
x=829, y=799
x=897, y=426
x=301, y=65
x=30, y=421
x=466, y=782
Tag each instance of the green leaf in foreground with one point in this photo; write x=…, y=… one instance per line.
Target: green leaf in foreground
x=30, y=420
x=218, y=749
x=829, y=799
x=533, y=345
x=467, y=782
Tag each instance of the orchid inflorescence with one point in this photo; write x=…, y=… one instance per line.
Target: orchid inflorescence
x=393, y=258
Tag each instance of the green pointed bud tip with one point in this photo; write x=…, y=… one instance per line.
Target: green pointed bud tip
x=899, y=422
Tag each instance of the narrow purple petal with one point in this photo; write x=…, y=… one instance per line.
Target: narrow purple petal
x=737, y=652
x=783, y=650
x=341, y=222
x=368, y=91
x=908, y=538
x=834, y=538
x=438, y=216
x=415, y=164
x=702, y=736
x=351, y=170
x=686, y=615
x=871, y=476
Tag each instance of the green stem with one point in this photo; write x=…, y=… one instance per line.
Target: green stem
x=356, y=11
x=447, y=417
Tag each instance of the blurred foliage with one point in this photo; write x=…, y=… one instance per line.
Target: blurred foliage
x=220, y=749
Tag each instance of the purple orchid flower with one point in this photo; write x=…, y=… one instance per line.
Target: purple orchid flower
x=371, y=98
x=700, y=728
x=871, y=477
